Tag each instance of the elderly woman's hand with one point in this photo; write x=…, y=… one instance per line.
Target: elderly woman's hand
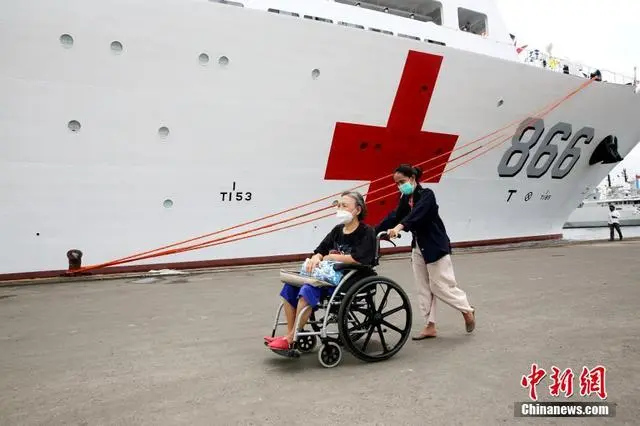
x=313, y=263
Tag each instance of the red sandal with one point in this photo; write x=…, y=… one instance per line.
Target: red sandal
x=279, y=343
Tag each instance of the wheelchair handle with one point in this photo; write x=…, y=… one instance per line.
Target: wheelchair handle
x=384, y=236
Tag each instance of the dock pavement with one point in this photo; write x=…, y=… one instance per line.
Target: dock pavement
x=188, y=348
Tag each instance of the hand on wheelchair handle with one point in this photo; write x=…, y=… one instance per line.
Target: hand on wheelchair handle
x=392, y=233
x=384, y=236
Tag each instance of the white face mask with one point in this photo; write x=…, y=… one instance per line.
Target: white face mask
x=343, y=217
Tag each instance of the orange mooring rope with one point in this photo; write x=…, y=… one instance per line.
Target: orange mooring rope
x=242, y=235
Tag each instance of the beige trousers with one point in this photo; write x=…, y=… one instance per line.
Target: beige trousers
x=437, y=280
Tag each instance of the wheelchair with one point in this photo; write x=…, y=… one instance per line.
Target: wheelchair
x=364, y=313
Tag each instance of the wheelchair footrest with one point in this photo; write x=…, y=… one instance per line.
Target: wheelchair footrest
x=287, y=353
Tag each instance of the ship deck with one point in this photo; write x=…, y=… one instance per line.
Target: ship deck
x=187, y=349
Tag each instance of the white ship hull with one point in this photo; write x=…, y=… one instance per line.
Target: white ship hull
x=261, y=123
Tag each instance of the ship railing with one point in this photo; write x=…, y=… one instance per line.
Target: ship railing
x=542, y=59
x=534, y=57
x=424, y=35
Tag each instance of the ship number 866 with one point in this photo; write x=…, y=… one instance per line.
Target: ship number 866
x=547, y=154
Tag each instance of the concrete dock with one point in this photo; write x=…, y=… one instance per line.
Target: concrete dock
x=187, y=349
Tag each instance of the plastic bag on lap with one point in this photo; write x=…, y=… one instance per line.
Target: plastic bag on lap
x=324, y=272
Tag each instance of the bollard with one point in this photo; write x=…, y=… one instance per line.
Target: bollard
x=75, y=259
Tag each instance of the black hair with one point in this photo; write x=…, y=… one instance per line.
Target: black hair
x=409, y=171
x=359, y=199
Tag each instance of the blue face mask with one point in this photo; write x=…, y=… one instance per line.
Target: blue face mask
x=406, y=188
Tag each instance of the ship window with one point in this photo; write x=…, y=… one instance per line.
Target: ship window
x=437, y=42
x=377, y=30
x=316, y=18
x=423, y=10
x=428, y=11
x=284, y=12
x=347, y=24
x=409, y=36
x=471, y=21
x=229, y=2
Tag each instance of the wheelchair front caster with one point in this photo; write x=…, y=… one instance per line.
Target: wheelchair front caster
x=306, y=344
x=330, y=354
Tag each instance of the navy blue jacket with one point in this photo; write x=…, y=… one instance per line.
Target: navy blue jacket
x=423, y=222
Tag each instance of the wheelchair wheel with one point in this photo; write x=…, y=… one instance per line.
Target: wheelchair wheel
x=330, y=354
x=375, y=319
x=306, y=344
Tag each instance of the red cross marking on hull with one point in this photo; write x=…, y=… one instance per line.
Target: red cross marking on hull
x=363, y=152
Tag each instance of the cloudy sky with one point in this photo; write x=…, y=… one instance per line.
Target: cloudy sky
x=603, y=34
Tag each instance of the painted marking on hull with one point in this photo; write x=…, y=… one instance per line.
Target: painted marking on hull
x=363, y=152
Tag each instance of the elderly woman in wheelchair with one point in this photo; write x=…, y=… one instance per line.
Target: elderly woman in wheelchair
x=349, y=242
x=340, y=279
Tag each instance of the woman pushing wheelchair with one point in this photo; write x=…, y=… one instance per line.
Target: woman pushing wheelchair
x=417, y=212
x=350, y=241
